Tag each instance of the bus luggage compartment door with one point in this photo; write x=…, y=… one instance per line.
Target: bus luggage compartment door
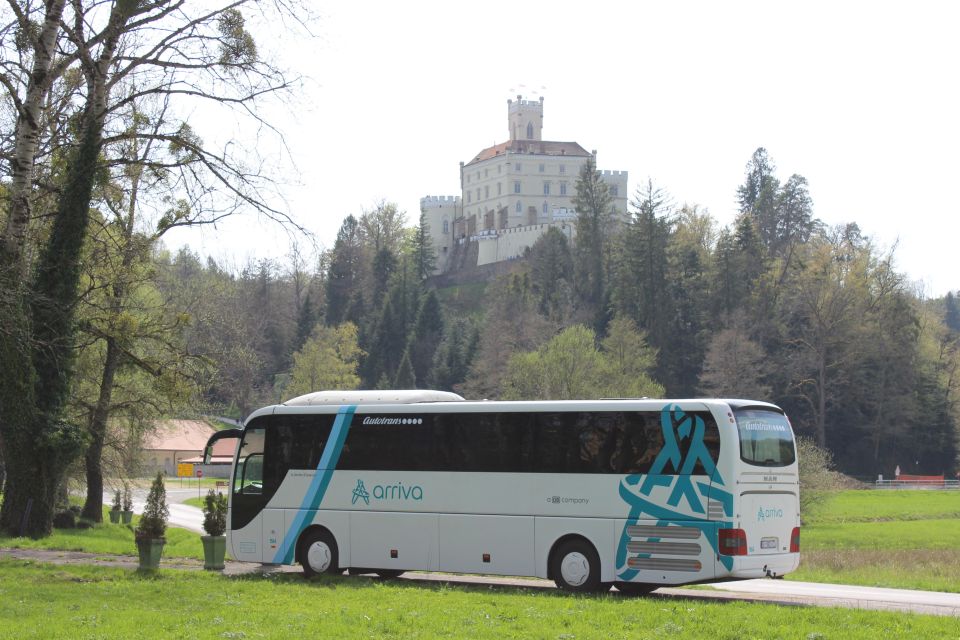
x=388, y=540
x=659, y=552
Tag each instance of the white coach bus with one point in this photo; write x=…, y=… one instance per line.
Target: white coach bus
x=636, y=493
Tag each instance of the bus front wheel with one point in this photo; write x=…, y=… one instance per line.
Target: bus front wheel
x=319, y=553
x=575, y=566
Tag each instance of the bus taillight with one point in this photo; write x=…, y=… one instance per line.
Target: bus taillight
x=733, y=542
x=795, y=540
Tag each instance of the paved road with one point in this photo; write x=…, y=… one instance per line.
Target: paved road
x=770, y=591
x=839, y=595
x=181, y=515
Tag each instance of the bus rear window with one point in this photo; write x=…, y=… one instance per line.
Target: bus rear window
x=766, y=439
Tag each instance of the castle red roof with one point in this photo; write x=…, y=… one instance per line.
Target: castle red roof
x=533, y=147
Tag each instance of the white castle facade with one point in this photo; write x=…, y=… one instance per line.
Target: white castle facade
x=511, y=193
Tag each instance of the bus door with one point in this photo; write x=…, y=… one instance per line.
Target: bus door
x=247, y=499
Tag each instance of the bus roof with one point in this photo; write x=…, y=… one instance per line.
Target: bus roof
x=403, y=396
x=406, y=400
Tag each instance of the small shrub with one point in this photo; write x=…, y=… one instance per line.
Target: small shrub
x=153, y=522
x=127, y=497
x=818, y=480
x=65, y=520
x=215, y=513
x=117, y=500
x=84, y=524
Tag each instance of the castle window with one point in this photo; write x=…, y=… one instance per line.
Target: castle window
x=516, y=186
x=518, y=167
x=478, y=194
x=499, y=167
x=486, y=172
x=614, y=191
x=446, y=227
x=499, y=188
x=545, y=206
x=563, y=168
x=542, y=167
x=519, y=207
x=469, y=195
x=529, y=131
x=546, y=188
x=563, y=188
x=486, y=191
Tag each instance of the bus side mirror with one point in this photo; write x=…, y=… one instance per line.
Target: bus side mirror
x=219, y=435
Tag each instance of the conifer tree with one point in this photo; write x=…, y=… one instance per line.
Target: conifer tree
x=405, y=378
x=426, y=336
x=425, y=259
x=594, y=220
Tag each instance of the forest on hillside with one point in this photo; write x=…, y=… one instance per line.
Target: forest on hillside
x=103, y=330
x=664, y=302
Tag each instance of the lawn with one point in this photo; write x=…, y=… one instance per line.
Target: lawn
x=43, y=601
x=882, y=505
x=855, y=538
x=904, y=539
x=112, y=539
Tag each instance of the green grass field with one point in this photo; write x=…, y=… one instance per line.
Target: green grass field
x=883, y=505
x=42, y=601
x=110, y=539
x=902, y=539
x=854, y=538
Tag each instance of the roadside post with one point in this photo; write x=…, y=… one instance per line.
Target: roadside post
x=199, y=476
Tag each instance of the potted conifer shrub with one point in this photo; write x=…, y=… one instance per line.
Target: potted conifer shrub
x=127, y=512
x=215, y=524
x=115, y=509
x=153, y=525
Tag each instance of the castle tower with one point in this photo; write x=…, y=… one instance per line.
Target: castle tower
x=525, y=119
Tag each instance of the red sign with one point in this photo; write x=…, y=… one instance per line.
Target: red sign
x=199, y=473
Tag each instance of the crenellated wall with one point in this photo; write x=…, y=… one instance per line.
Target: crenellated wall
x=512, y=243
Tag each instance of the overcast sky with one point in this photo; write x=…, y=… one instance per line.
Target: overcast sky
x=861, y=98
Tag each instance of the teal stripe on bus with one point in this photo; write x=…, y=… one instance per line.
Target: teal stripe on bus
x=318, y=486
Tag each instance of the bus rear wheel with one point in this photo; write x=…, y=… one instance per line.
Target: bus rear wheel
x=575, y=566
x=319, y=553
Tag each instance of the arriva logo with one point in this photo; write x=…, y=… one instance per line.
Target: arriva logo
x=397, y=491
x=763, y=514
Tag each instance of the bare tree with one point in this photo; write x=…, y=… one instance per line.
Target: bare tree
x=126, y=52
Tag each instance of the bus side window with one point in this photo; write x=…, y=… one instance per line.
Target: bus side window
x=711, y=439
x=643, y=439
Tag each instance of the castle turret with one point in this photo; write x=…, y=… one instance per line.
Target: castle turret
x=525, y=119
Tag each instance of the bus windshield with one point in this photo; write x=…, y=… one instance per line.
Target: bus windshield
x=766, y=439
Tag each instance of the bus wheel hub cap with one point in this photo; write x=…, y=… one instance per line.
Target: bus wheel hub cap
x=575, y=569
x=318, y=555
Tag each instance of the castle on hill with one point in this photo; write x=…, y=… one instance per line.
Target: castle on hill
x=511, y=193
